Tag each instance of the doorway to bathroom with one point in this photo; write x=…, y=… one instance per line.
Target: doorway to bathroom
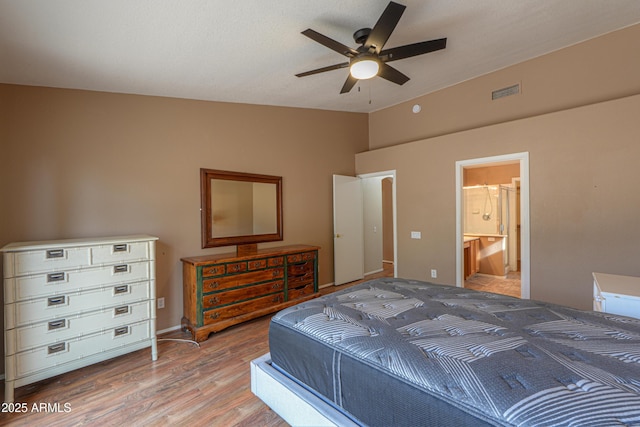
x=492, y=227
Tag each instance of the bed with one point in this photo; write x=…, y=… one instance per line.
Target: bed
x=396, y=352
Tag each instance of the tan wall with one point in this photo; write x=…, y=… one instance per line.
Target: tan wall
x=601, y=69
x=78, y=163
x=584, y=202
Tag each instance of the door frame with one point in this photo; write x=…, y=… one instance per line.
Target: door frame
x=525, y=267
x=392, y=174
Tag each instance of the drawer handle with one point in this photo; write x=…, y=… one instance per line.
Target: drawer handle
x=51, y=301
x=123, y=330
x=56, y=348
x=214, y=315
x=122, y=289
x=55, y=253
x=55, y=277
x=121, y=310
x=57, y=324
x=120, y=248
x=122, y=268
x=276, y=286
x=214, y=300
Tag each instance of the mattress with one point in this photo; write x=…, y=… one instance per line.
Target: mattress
x=405, y=352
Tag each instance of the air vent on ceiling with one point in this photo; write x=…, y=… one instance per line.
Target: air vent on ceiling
x=507, y=91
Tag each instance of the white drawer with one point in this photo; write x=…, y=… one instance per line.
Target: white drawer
x=42, y=358
x=53, y=283
x=624, y=305
x=119, y=253
x=65, y=328
x=58, y=306
x=40, y=261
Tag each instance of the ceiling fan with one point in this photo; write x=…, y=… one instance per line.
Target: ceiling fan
x=369, y=59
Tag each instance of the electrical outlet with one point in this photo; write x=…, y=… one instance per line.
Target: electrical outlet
x=434, y=273
x=161, y=302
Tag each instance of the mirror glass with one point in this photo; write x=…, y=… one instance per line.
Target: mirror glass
x=240, y=208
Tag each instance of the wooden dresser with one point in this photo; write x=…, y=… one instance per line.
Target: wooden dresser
x=225, y=289
x=72, y=303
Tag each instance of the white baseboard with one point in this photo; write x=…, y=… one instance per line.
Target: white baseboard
x=171, y=329
x=326, y=285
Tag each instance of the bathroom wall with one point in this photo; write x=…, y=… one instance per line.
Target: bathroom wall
x=481, y=210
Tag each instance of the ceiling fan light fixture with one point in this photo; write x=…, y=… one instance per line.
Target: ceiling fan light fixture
x=364, y=68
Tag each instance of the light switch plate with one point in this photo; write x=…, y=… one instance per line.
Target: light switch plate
x=416, y=235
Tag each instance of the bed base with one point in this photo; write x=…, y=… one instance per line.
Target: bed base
x=295, y=404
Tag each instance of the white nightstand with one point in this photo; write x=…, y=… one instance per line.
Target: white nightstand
x=616, y=294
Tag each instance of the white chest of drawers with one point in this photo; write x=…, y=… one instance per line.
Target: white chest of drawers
x=616, y=294
x=72, y=303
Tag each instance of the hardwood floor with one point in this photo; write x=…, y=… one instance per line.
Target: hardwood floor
x=187, y=385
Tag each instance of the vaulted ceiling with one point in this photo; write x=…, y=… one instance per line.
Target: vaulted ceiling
x=249, y=51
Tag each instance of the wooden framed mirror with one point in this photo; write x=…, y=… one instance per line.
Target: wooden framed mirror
x=240, y=209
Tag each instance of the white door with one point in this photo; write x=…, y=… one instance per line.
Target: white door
x=348, y=239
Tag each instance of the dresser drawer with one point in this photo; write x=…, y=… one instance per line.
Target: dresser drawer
x=58, y=306
x=229, y=311
x=301, y=269
x=229, y=297
x=40, y=261
x=298, y=281
x=305, y=256
x=213, y=270
x=29, y=287
x=72, y=326
x=300, y=292
x=275, y=262
x=256, y=264
x=220, y=283
x=51, y=355
x=119, y=253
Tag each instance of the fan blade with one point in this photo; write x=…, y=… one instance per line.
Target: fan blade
x=389, y=73
x=330, y=43
x=414, y=49
x=349, y=84
x=384, y=27
x=323, y=69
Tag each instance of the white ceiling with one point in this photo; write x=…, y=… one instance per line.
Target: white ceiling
x=249, y=51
